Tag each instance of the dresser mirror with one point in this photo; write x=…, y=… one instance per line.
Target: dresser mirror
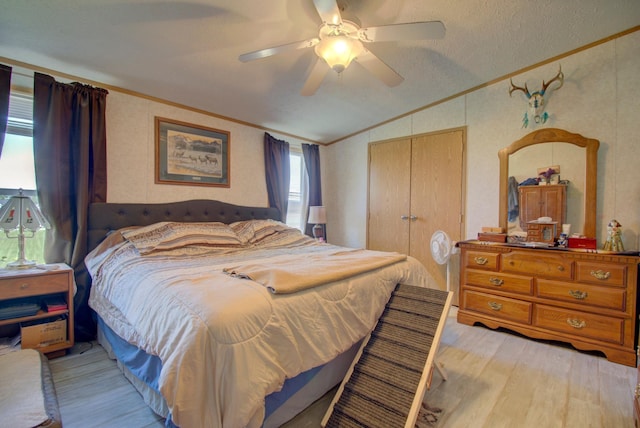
x=577, y=157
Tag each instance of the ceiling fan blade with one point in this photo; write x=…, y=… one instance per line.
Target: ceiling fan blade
x=379, y=69
x=315, y=78
x=263, y=53
x=408, y=31
x=328, y=11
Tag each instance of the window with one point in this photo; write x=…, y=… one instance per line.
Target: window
x=17, y=171
x=297, y=183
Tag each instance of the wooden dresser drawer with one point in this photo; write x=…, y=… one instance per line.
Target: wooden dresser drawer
x=481, y=260
x=578, y=323
x=601, y=273
x=34, y=285
x=499, y=281
x=583, y=294
x=538, y=264
x=499, y=307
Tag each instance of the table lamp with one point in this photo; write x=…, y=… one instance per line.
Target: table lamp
x=21, y=213
x=317, y=217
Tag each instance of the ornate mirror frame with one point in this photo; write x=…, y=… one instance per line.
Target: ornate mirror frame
x=554, y=135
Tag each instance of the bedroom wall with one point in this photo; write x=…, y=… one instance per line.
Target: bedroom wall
x=599, y=99
x=131, y=154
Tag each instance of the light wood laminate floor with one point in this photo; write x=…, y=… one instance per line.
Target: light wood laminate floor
x=495, y=379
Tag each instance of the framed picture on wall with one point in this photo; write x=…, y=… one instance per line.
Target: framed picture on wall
x=191, y=154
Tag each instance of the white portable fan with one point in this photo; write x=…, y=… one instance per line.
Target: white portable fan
x=441, y=250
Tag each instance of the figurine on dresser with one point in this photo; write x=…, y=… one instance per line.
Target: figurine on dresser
x=614, y=237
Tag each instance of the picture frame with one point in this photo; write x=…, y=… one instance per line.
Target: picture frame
x=189, y=154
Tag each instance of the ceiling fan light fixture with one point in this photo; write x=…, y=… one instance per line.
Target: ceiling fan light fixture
x=338, y=51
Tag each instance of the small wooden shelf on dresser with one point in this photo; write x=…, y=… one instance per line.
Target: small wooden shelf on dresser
x=586, y=299
x=37, y=282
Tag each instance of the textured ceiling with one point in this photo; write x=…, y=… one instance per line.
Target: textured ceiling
x=186, y=52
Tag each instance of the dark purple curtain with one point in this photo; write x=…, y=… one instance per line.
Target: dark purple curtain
x=277, y=173
x=311, y=153
x=69, y=144
x=5, y=89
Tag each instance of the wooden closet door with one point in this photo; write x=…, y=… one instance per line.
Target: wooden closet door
x=389, y=190
x=436, y=196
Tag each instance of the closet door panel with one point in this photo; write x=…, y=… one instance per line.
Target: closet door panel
x=436, y=195
x=389, y=190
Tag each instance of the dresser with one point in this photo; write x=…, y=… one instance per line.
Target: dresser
x=582, y=298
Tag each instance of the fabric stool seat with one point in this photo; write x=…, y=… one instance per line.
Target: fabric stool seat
x=27, y=393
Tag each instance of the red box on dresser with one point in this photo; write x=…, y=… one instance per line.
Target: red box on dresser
x=584, y=243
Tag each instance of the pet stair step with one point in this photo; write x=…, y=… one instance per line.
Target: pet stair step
x=389, y=375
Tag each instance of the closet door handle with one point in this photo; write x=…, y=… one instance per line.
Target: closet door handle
x=404, y=217
x=413, y=218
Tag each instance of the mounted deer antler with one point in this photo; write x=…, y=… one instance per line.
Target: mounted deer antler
x=519, y=88
x=536, y=99
x=560, y=76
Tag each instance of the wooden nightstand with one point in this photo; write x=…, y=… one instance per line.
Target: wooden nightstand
x=41, y=284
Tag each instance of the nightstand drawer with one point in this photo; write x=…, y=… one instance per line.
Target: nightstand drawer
x=34, y=285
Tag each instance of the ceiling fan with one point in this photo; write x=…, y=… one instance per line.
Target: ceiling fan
x=341, y=41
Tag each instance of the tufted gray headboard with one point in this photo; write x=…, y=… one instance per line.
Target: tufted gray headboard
x=107, y=217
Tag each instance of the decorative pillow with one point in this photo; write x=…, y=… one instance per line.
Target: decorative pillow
x=254, y=231
x=171, y=235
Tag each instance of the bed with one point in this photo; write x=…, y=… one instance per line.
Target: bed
x=221, y=316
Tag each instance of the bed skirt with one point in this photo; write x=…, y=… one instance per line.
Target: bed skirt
x=297, y=394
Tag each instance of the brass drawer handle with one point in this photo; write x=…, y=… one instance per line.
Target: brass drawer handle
x=561, y=268
x=576, y=323
x=24, y=286
x=580, y=295
x=496, y=281
x=600, y=274
x=481, y=260
x=495, y=306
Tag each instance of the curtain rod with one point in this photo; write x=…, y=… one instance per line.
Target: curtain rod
x=22, y=74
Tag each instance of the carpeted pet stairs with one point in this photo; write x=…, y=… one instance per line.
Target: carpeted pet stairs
x=387, y=380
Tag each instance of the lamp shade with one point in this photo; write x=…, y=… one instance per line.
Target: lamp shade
x=317, y=215
x=21, y=213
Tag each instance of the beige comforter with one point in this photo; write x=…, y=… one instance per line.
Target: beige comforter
x=226, y=342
